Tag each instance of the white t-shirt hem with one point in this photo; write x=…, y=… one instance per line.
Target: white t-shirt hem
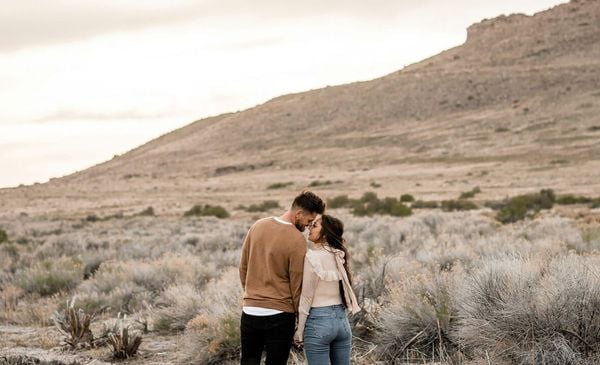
x=259, y=311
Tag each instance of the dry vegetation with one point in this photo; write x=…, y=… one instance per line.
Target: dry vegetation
x=436, y=287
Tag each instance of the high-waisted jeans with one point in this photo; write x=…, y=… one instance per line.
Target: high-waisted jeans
x=327, y=336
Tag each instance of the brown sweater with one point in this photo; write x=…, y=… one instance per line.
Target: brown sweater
x=271, y=265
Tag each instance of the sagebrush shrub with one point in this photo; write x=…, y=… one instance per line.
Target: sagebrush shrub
x=3, y=236
x=264, y=206
x=531, y=311
x=50, y=276
x=417, y=320
x=213, y=335
x=175, y=308
x=207, y=211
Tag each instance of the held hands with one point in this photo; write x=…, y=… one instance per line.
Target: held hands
x=298, y=340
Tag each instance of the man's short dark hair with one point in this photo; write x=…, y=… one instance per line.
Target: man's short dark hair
x=309, y=201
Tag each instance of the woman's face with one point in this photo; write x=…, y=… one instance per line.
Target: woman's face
x=314, y=231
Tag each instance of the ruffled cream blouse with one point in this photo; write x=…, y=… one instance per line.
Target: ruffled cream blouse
x=323, y=270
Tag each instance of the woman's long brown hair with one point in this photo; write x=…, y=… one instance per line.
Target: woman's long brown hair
x=333, y=230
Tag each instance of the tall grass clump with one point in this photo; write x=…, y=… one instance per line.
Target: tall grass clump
x=212, y=337
x=417, y=320
x=175, y=308
x=532, y=312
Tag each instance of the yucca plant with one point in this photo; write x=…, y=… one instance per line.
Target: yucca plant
x=124, y=345
x=74, y=325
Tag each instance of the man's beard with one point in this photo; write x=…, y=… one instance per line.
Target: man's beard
x=299, y=226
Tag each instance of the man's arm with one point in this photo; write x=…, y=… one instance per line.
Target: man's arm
x=296, y=269
x=244, y=259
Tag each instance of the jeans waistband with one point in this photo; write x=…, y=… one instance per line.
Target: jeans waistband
x=332, y=309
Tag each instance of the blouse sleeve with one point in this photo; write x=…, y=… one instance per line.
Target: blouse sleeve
x=310, y=280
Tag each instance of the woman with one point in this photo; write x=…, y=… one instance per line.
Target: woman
x=323, y=326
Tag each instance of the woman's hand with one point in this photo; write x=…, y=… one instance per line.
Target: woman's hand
x=298, y=339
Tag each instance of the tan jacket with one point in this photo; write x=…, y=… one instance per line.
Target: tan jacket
x=271, y=265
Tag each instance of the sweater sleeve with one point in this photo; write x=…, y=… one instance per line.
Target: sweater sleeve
x=244, y=259
x=296, y=268
x=309, y=286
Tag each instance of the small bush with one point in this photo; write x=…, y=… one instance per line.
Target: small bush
x=569, y=199
x=92, y=218
x=206, y=211
x=50, y=276
x=421, y=204
x=369, y=204
x=532, y=312
x=148, y=212
x=470, y=194
x=375, y=185
x=213, y=336
x=175, y=308
x=407, y=198
x=263, y=207
x=417, y=322
x=319, y=183
x=522, y=206
x=340, y=201
x=3, y=236
x=279, y=185
x=454, y=205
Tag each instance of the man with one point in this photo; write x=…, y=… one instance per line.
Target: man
x=271, y=274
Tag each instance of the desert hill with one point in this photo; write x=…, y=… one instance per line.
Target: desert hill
x=515, y=108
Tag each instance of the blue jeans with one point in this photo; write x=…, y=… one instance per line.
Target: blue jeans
x=327, y=336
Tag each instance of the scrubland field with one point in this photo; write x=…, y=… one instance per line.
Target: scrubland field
x=436, y=287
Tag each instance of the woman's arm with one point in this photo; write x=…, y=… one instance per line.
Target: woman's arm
x=309, y=285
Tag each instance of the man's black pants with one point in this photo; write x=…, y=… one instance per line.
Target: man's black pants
x=272, y=334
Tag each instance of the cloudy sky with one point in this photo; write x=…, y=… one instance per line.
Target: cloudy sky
x=81, y=81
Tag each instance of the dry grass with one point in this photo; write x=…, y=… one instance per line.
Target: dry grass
x=422, y=281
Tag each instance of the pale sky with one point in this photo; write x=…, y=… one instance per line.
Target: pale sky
x=81, y=81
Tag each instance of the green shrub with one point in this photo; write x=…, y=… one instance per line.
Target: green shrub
x=407, y=198
x=264, y=206
x=279, y=185
x=340, y=201
x=470, y=194
x=92, y=218
x=319, y=183
x=50, y=276
x=522, y=206
x=572, y=199
x=375, y=185
x=595, y=203
x=207, y=210
x=3, y=236
x=369, y=204
x=421, y=204
x=454, y=205
x=149, y=212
